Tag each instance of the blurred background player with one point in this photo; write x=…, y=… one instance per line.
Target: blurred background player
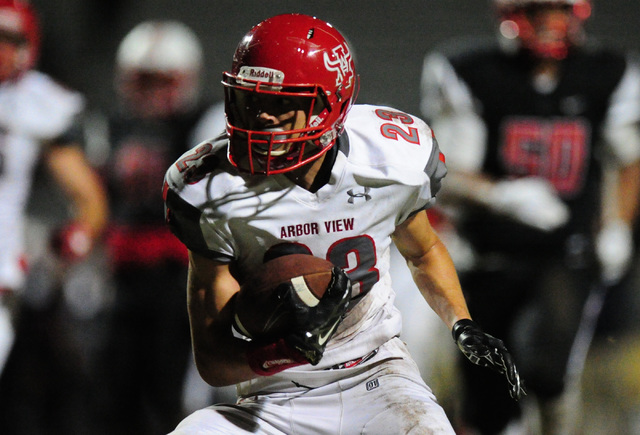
x=541, y=135
x=157, y=81
x=39, y=125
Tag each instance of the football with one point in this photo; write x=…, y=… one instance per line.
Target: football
x=259, y=310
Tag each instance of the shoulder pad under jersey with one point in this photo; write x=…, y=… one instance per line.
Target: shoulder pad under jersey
x=40, y=107
x=401, y=145
x=183, y=181
x=196, y=163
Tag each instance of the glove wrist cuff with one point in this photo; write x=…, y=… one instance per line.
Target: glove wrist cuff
x=460, y=326
x=269, y=359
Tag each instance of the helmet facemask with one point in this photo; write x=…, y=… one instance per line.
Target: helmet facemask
x=260, y=147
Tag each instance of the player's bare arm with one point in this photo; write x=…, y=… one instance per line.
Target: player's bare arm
x=432, y=268
x=83, y=187
x=437, y=279
x=219, y=356
x=614, y=241
x=628, y=192
x=78, y=180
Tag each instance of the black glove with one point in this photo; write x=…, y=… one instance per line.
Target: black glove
x=314, y=326
x=487, y=351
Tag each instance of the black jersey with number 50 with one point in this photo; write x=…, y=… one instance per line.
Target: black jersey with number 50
x=553, y=130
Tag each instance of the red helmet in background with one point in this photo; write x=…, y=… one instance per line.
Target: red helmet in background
x=551, y=38
x=288, y=62
x=18, y=27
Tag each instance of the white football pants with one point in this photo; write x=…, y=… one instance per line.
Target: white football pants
x=383, y=396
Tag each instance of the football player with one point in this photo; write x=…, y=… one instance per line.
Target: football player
x=158, y=70
x=38, y=120
x=301, y=166
x=541, y=133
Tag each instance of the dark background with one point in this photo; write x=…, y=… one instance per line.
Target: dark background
x=390, y=38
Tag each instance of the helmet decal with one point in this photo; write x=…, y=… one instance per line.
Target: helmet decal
x=341, y=64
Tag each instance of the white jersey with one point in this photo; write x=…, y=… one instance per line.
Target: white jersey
x=33, y=110
x=388, y=166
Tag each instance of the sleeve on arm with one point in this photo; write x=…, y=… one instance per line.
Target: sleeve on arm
x=73, y=135
x=184, y=221
x=448, y=106
x=44, y=109
x=436, y=168
x=622, y=126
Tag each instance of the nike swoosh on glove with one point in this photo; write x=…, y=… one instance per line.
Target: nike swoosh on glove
x=315, y=325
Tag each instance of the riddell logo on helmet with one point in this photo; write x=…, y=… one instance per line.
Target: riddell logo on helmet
x=261, y=74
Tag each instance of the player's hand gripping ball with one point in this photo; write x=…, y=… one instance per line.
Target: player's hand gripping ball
x=298, y=298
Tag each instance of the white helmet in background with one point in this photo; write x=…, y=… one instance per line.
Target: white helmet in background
x=158, y=68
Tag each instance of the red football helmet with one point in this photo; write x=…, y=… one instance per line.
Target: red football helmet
x=19, y=28
x=544, y=36
x=288, y=64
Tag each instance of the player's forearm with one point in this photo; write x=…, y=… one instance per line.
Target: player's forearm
x=92, y=211
x=83, y=187
x=431, y=267
x=628, y=193
x=220, y=357
x=467, y=187
x=437, y=279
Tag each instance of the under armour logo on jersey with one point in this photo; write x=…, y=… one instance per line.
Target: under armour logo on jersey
x=353, y=195
x=341, y=64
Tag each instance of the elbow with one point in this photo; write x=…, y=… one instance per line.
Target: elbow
x=220, y=371
x=211, y=375
x=212, y=380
